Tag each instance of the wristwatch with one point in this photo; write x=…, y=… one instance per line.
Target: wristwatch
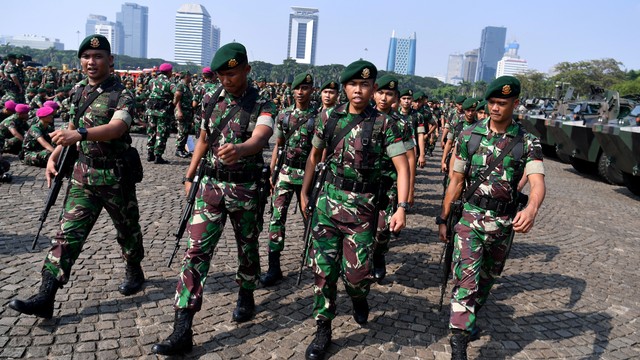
x=83, y=132
x=185, y=179
x=440, y=221
x=404, y=205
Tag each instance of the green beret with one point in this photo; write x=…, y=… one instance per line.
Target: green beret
x=481, y=105
x=300, y=79
x=387, y=82
x=360, y=69
x=229, y=56
x=32, y=90
x=60, y=89
x=48, y=86
x=418, y=95
x=42, y=90
x=406, y=92
x=11, y=56
x=503, y=87
x=183, y=74
x=469, y=103
x=262, y=79
x=94, y=42
x=460, y=99
x=34, y=79
x=330, y=84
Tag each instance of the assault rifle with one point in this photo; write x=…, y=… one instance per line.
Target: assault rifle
x=264, y=189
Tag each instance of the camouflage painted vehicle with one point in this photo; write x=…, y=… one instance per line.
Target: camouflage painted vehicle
x=622, y=144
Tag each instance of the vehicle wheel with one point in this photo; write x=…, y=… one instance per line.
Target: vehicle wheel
x=584, y=167
x=632, y=183
x=608, y=171
x=563, y=157
x=549, y=150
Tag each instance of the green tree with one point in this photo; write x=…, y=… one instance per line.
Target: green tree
x=582, y=75
x=535, y=84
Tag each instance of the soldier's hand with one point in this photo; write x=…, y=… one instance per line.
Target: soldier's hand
x=398, y=221
x=50, y=171
x=65, y=137
x=421, y=161
x=443, y=167
x=524, y=220
x=229, y=153
x=442, y=233
x=304, y=199
x=187, y=187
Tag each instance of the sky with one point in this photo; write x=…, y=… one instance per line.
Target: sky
x=548, y=32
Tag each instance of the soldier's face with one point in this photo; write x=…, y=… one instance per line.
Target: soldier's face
x=359, y=92
x=384, y=99
x=470, y=114
x=501, y=110
x=481, y=114
x=234, y=80
x=405, y=102
x=302, y=94
x=329, y=97
x=96, y=64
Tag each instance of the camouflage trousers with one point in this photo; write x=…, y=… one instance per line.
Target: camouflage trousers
x=185, y=126
x=215, y=202
x=280, y=201
x=157, y=134
x=383, y=233
x=82, y=207
x=10, y=95
x=342, y=242
x=11, y=146
x=481, y=246
x=36, y=158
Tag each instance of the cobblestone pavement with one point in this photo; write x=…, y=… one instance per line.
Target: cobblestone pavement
x=569, y=289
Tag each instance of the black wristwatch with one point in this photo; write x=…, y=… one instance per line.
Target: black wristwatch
x=440, y=221
x=185, y=179
x=83, y=132
x=404, y=205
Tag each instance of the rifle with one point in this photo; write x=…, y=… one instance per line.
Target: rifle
x=64, y=166
x=264, y=189
x=186, y=212
x=447, y=253
x=282, y=154
x=319, y=178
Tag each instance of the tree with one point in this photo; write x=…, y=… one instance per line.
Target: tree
x=534, y=84
x=582, y=75
x=465, y=88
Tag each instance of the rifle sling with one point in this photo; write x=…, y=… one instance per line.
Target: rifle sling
x=223, y=123
x=343, y=132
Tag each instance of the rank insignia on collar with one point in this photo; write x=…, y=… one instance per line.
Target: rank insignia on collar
x=94, y=42
x=506, y=90
x=366, y=73
x=232, y=63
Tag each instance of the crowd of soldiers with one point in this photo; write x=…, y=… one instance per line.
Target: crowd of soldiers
x=351, y=163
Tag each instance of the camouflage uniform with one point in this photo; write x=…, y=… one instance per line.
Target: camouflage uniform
x=218, y=199
x=198, y=94
x=292, y=171
x=8, y=142
x=483, y=236
x=157, y=108
x=93, y=188
x=186, y=124
x=11, y=90
x=34, y=153
x=343, y=223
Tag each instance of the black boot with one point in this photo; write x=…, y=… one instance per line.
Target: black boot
x=459, y=340
x=181, y=339
x=160, y=160
x=320, y=344
x=379, y=267
x=245, y=307
x=150, y=156
x=181, y=154
x=274, y=274
x=40, y=304
x=133, y=280
x=360, y=310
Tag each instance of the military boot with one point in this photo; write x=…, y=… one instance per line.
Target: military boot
x=160, y=160
x=379, y=267
x=181, y=339
x=360, y=310
x=40, y=304
x=274, y=274
x=133, y=280
x=151, y=157
x=318, y=347
x=182, y=154
x=459, y=340
x=245, y=307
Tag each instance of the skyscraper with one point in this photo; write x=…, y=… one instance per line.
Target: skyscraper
x=402, y=55
x=511, y=63
x=491, y=51
x=454, y=69
x=303, y=32
x=135, y=23
x=98, y=24
x=193, y=35
x=215, y=40
x=470, y=65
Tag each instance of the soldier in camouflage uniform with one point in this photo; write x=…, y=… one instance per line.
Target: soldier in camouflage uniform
x=329, y=92
x=228, y=189
x=483, y=235
x=294, y=131
x=8, y=110
x=12, y=130
x=37, y=147
x=469, y=109
x=344, y=222
x=208, y=83
x=158, y=107
x=12, y=84
x=101, y=135
x=183, y=101
x=419, y=128
x=456, y=114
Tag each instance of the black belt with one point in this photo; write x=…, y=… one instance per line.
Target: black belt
x=232, y=176
x=296, y=164
x=97, y=163
x=487, y=203
x=354, y=186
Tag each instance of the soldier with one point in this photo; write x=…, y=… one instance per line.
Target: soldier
x=158, y=106
x=12, y=83
x=469, y=109
x=8, y=110
x=329, y=92
x=12, y=130
x=99, y=129
x=228, y=189
x=419, y=128
x=481, y=110
x=483, y=235
x=183, y=101
x=455, y=116
x=294, y=131
x=357, y=139
x=37, y=147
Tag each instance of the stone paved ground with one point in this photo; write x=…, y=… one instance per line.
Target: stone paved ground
x=569, y=290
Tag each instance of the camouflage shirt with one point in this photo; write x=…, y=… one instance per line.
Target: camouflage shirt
x=160, y=90
x=12, y=122
x=187, y=97
x=299, y=143
x=37, y=130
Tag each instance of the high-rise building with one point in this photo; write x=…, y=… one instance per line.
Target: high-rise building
x=470, y=65
x=92, y=20
x=454, y=69
x=215, y=40
x=303, y=33
x=98, y=24
x=32, y=41
x=402, y=55
x=135, y=24
x=491, y=51
x=193, y=35
x=511, y=63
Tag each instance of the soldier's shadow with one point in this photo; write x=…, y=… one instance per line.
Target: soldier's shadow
x=521, y=250
x=12, y=244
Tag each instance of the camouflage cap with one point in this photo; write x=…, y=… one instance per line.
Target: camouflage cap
x=469, y=103
x=503, y=87
x=229, y=56
x=417, y=95
x=360, y=69
x=94, y=42
x=330, y=84
x=387, y=82
x=300, y=79
x=406, y=92
x=460, y=99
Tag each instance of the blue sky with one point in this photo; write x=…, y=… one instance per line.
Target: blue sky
x=548, y=31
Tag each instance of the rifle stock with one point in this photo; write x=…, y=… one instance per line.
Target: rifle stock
x=64, y=166
x=188, y=209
